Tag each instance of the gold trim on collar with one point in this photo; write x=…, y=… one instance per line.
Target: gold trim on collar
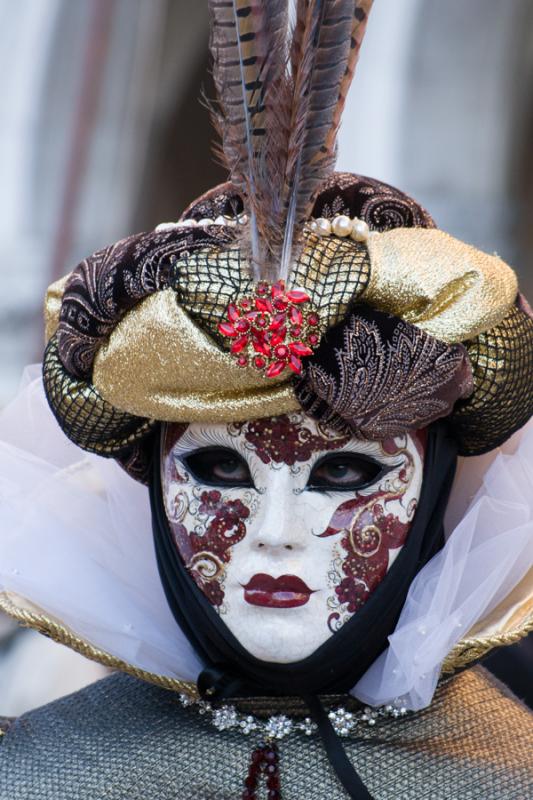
x=62, y=635
x=465, y=652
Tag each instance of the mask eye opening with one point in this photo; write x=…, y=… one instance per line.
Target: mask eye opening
x=217, y=466
x=346, y=472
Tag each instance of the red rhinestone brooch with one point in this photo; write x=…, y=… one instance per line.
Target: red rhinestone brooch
x=272, y=330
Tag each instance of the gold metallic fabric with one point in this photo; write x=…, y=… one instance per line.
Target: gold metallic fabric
x=502, y=400
x=52, y=306
x=445, y=287
x=159, y=364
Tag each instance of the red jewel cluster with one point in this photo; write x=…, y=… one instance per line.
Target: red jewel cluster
x=271, y=331
x=265, y=761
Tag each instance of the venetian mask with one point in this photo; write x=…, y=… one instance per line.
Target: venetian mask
x=287, y=527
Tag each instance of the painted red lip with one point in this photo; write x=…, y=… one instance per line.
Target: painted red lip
x=287, y=591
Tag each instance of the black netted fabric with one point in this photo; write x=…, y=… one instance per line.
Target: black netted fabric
x=335, y=271
x=502, y=401
x=85, y=417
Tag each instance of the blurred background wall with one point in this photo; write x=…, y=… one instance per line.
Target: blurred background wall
x=102, y=134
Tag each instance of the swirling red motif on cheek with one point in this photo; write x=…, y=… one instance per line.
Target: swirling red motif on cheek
x=369, y=533
x=206, y=554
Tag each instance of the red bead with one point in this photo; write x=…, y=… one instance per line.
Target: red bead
x=281, y=351
x=263, y=304
x=233, y=312
x=278, y=289
x=257, y=756
x=277, y=321
x=260, y=346
x=239, y=344
x=278, y=337
x=273, y=782
x=226, y=329
x=244, y=303
x=242, y=325
x=300, y=349
x=295, y=364
x=261, y=321
x=312, y=338
x=280, y=304
x=296, y=331
x=297, y=296
x=275, y=369
x=262, y=289
x=312, y=319
x=242, y=361
x=251, y=781
x=259, y=362
x=296, y=316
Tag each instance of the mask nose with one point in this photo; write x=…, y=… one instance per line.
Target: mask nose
x=280, y=528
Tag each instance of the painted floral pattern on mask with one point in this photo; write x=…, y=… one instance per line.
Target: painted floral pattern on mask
x=220, y=525
x=211, y=551
x=286, y=440
x=370, y=531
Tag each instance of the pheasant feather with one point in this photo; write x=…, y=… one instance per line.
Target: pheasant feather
x=279, y=110
x=249, y=46
x=328, y=35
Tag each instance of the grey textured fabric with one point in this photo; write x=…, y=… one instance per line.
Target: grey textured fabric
x=122, y=739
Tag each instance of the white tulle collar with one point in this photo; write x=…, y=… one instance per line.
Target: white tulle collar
x=76, y=552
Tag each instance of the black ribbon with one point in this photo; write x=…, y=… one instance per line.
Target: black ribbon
x=336, y=666
x=338, y=759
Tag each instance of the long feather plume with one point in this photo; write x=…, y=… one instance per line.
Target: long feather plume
x=327, y=39
x=279, y=110
x=249, y=46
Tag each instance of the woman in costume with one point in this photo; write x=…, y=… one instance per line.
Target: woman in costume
x=286, y=377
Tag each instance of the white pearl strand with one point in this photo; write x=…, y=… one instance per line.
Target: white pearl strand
x=340, y=225
x=242, y=219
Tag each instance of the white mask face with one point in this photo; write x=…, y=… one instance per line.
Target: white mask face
x=287, y=528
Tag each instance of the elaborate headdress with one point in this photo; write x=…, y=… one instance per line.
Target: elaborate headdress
x=291, y=285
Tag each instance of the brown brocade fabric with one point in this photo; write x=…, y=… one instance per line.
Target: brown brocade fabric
x=379, y=376
x=380, y=205
x=121, y=739
x=103, y=287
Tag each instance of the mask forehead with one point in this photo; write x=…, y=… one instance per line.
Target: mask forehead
x=284, y=564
